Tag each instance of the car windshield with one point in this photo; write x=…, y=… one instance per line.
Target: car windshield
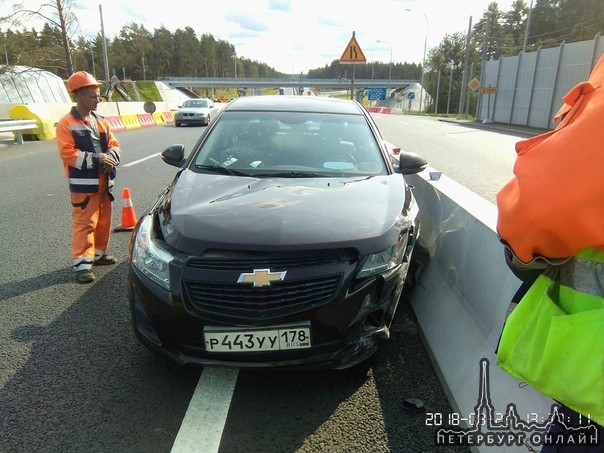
x=197, y=103
x=291, y=144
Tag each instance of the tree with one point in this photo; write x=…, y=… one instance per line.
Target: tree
x=139, y=39
x=161, y=52
x=514, y=28
x=186, y=48
x=488, y=32
x=448, y=61
x=583, y=19
x=57, y=14
x=208, y=51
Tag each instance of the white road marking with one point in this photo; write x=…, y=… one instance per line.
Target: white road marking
x=202, y=426
x=140, y=160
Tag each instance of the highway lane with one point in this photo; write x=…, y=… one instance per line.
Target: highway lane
x=73, y=377
x=480, y=157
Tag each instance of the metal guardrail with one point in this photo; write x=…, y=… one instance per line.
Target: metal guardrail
x=17, y=126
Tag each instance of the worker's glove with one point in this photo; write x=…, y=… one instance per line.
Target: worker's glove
x=116, y=153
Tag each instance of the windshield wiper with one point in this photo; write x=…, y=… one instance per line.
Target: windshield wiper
x=289, y=174
x=222, y=169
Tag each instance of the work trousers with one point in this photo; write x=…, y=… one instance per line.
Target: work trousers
x=91, y=227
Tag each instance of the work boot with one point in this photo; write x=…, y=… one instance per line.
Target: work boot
x=105, y=260
x=84, y=276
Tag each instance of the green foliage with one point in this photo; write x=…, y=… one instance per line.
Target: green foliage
x=372, y=70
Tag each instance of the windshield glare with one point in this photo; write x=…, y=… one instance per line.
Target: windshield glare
x=292, y=143
x=199, y=104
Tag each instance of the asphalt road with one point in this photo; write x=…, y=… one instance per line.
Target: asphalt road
x=75, y=379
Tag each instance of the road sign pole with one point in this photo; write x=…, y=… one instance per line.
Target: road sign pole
x=352, y=82
x=352, y=55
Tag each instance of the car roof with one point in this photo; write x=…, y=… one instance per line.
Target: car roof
x=321, y=104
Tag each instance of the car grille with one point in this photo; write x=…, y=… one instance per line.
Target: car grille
x=243, y=302
x=237, y=302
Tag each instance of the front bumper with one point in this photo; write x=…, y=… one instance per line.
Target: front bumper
x=191, y=119
x=345, y=331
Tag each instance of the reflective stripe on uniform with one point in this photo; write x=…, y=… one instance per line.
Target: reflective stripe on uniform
x=583, y=275
x=84, y=182
x=84, y=161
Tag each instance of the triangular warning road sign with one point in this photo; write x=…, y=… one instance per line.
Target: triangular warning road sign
x=353, y=52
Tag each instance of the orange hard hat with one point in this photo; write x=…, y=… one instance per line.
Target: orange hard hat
x=81, y=79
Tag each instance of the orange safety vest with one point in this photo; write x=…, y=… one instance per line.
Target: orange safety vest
x=80, y=160
x=554, y=206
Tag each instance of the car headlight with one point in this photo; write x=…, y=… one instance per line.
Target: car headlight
x=151, y=260
x=383, y=261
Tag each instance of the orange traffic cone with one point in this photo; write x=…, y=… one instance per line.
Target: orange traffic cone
x=128, y=215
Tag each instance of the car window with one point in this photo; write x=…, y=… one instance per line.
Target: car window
x=196, y=104
x=292, y=143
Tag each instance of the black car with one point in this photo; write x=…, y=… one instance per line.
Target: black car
x=283, y=240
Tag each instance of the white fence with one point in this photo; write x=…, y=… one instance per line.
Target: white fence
x=530, y=86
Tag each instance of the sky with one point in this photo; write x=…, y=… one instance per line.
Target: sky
x=293, y=36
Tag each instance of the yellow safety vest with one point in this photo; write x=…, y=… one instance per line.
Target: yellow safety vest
x=554, y=338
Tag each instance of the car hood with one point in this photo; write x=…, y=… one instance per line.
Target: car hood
x=201, y=211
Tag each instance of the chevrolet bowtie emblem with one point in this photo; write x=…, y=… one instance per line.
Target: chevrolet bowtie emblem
x=261, y=277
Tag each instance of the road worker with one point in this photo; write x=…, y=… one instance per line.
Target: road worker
x=90, y=154
x=551, y=222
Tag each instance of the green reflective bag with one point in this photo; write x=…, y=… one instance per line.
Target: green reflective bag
x=554, y=341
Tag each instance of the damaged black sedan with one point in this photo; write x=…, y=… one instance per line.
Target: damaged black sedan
x=284, y=239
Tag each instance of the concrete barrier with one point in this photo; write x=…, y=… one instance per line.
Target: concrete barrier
x=462, y=301
x=120, y=115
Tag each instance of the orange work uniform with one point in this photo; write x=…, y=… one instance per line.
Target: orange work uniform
x=554, y=206
x=79, y=144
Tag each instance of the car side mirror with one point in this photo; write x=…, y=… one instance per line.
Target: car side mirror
x=174, y=155
x=410, y=163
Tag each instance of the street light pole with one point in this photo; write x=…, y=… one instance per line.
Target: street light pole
x=390, y=66
x=105, y=59
x=92, y=57
x=528, y=27
x=421, y=91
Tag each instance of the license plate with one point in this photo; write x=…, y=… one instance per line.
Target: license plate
x=219, y=339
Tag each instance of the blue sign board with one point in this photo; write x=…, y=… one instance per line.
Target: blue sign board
x=377, y=94
x=410, y=95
